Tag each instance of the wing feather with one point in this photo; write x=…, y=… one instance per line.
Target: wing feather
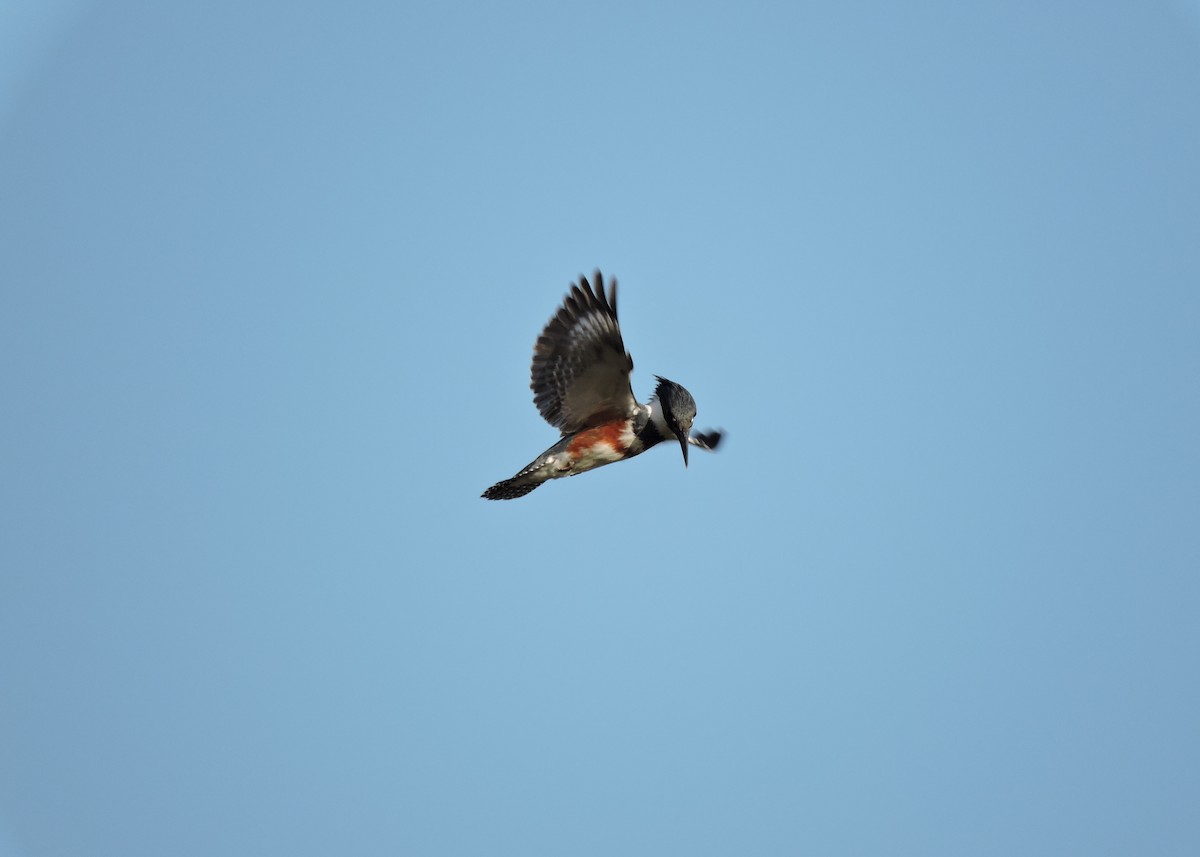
x=580, y=372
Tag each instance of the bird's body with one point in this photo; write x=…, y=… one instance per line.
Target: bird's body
x=580, y=380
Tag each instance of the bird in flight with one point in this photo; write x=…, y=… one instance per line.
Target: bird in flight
x=580, y=381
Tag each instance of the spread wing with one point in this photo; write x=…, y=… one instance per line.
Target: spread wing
x=580, y=374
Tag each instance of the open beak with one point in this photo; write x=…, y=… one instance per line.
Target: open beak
x=683, y=444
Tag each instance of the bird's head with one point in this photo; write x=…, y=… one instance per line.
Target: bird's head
x=679, y=410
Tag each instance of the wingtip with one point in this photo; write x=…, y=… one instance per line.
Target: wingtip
x=708, y=440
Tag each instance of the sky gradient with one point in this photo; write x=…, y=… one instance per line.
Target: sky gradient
x=270, y=276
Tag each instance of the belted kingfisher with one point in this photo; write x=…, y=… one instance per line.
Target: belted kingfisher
x=580, y=381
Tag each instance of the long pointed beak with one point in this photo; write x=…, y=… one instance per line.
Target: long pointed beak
x=683, y=445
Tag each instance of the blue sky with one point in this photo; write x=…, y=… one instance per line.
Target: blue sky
x=270, y=275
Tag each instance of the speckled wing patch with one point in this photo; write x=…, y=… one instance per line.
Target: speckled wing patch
x=580, y=373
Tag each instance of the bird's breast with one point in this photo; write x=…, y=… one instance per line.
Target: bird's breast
x=602, y=444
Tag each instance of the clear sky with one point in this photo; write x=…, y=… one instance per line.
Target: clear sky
x=270, y=276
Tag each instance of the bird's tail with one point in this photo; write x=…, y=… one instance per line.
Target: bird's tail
x=511, y=489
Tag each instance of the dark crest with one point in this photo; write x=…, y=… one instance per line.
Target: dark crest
x=678, y=404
